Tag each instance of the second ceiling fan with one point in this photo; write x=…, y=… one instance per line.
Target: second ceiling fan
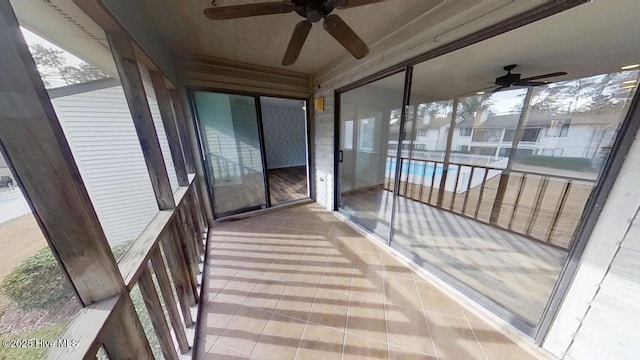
x=312, y=11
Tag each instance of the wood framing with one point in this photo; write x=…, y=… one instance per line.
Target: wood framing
x=34, y=145
x=170, y=126
x=131, y=80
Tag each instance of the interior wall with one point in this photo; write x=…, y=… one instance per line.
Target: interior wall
x=285, y=136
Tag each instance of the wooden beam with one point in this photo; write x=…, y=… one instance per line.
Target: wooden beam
x=124, y=337
x=86, y=329
x=34, y=145
x=131, y=80
x=164, y=284
x=133, y=262
x=197, y=153
x=154, y=308
x=170, y=127
x=179, y=273
x=185, y=140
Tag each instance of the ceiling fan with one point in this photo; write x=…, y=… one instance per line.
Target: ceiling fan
x=312, y=11
x=510, y=79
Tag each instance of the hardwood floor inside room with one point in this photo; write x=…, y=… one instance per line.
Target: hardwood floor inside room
x=288, y=184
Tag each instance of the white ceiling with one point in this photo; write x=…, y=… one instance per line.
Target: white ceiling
x=594, y=38
x=263, y=40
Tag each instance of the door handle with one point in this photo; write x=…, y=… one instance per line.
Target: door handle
x=340, y=156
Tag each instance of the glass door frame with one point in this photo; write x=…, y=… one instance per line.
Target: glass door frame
x=624, y=138
x=258, y=108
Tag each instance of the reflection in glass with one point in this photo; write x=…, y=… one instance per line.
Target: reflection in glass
x=493, y=195
x=284, y=125
x=369, y=128
x=230, y=139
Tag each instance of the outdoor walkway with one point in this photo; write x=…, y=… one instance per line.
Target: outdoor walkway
x=301, y=284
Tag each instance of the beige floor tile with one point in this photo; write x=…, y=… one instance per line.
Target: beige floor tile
x=268, y=275
x=330, y=308
x=397, y=353
x=453, y=338
x=296, y=301
x=243, y=331
x=280, y=338
x=407, y=328
x=215, y=317
x=218, y=352
x=434, y=300
x=496, y=345
x=358, y=347
x=265, y=294
x=367, y=319
x=319, y=342
x=402, y=292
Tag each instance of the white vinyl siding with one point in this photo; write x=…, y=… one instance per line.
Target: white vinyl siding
x=103, y=140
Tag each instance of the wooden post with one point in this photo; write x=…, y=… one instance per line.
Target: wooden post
x=127, y=66
x=197, y=155
x=154, y=308
x=185, y=140
x=170, y=128
x=186, y=233
x=125, y=338
x=180, y=273
x=170, y=302
x=34, y=145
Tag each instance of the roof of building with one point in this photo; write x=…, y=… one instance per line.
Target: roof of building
x=81, y=88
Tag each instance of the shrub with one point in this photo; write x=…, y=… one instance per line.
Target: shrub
x=567, y=163
x=39, y=283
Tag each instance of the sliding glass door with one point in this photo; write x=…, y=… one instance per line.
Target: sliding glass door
x=369, y=133
x=255, y=150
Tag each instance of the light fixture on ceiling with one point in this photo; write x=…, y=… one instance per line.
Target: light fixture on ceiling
x=480, y=93
x=629, y=82
x=628, y=87
x=629, y=67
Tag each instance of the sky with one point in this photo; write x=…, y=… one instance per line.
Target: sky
x=72, y=60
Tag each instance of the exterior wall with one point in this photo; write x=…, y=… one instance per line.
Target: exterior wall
x=599, y=316
x=102, y=137
x=323, y=147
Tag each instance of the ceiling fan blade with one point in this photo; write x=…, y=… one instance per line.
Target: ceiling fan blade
x=340, y=31
x=298, y=38
x=544, y=76
x=531, y=83
x=240, y=11
x=346, y=4
x=500, y=88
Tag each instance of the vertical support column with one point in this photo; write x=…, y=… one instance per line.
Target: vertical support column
x=154, y=308
x=127, y=66
x=178, y=112
x=170, y=127
x=504, y=177
x=445, y=163
x=180, y=274
x=164, y=284
x=125, y=338
x=34, y=145
x=197, y=155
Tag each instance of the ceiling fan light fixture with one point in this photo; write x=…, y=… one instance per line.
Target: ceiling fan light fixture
x=628, y=82
x=480, y=93
x=630, y=67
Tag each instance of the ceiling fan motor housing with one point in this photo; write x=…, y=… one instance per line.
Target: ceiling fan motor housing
x=313, y=10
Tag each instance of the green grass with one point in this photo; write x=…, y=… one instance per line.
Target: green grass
x=566, y=163
x=48, y=333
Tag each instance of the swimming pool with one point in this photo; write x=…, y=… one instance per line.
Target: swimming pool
x=418, y=168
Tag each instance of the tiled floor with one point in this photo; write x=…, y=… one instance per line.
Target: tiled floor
x=300, y=284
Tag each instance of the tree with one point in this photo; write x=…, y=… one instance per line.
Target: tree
x=53, y=66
